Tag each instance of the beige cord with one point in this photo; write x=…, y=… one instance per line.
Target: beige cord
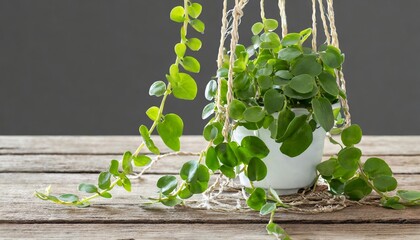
x=262, y=10
x=314, y=29
x=283, y=17
x=324, y=22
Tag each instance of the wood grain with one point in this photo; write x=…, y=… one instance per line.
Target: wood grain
x=97, y=163
x=200, y=231
x=116, y=145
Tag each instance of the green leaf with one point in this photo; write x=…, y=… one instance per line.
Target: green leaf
x=170, y=130
x=189, y=170
x=288, y=91
x=290, y=39
x=392, y=202
x=141, y=160
x=328, y=83
x=126, y=162
x=126, y=183
x=208, y=110
x=88, y=188
x=228, y=171
x=180, y=49
x=198, y=25
x=265, y=82
x=356, y=189
x=332, y=57
x=284, y=118
x=194, y=10
x=144, y=132
x=254, y=114
x=113, y=167
x=257, y=170
x=305, y=34
x=277, y=231
x=297, y=143
x=211, y=159
x=290, y=53
x=323, y=113
x=167, y=184
x=194, y=44
x=241, y=81
x=268, y=208
x=104, y=180
x=352, y=135
x=303, y=83
x=153, y=113
x=201, y=180
x=349, y=158
x=157, y=89
x=270, y=24
x=336, y=186
x=191, y=64
x=294, y=125
x=285, y=74
x=257, y=199
x=409, y=196
x=376, y=167
x=185, y=193
x=306, y=65
x=226, y=155
x=213, y=131
x=269, y=40
x=385, y=183
x=184, y=87
x=171, y=201
x=106, y=195
x=255, y=146
x=69, y=198
x=177, y=14
x=273, y=101
x=257, y=28
x=211, y=90
x=237, y=109
x=327, y=168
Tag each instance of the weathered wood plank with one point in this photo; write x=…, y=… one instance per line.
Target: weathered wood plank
x=98, y=163
x=371, y=145
x=207, y=231
x=19, y=206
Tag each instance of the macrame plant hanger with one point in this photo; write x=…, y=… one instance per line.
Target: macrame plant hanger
x=331, y=38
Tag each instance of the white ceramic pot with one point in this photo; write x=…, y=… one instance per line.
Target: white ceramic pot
x=285, y=174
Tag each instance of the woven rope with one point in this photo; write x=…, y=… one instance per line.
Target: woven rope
x=314, y=29
x=324, y=22
x=283, y=17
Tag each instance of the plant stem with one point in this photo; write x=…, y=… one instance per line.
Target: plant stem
x=364, y=177
x=87, y=199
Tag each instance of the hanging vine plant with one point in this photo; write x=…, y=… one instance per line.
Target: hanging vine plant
x=277, y=87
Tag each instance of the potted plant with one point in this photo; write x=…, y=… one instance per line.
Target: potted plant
x=273, y=104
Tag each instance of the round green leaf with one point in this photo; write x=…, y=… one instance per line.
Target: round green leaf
x=273, y=101
x=228, y=171
x=254, y=114
x=257, y=170
x=157, y=89
x=269, y=40
x=194, y=10
x=290, y=39
x=327, y=168
x=257, y=28
x=191, y=64
x=211, y=159
x=376, y=167
x=332, y=57
x=184, y=87
x=328, y=83
x=295, y=124
x=106, y=195
x=104, y=180
x=410, y=196
x=257, y=199
x=270, y=24
x=357, y=189
x=141, y=160
x=265, y=82
x=126, y=162
x=385, y=183
x=194, y=44
x=185, y=193
x=153, y=113
x=88, y=188
x=177, y=14
x=268, y=208
x=297, y=143
x=349, y=158
x=303, y=83
x=290, y=53
x=170, y=130
x=236, y=109
x=69, y=198
x=285, y=74
x=211, y=90
x=167, y=184
x=288, y=91
x=226, y=155
x=352, y=135
x=113, y=167
x=306, y=65
x=198, y=25
x=323, y=113
x=180, y=49
x=188, y=170
x=255, y=146
x=208, y=110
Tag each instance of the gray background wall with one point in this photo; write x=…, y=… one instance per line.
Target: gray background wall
x=84, y=66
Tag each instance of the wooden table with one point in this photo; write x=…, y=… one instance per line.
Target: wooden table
x=32, y=163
